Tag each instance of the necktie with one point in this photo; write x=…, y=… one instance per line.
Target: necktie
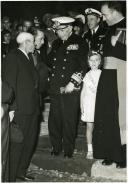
x=34, y=55
x=93, y=32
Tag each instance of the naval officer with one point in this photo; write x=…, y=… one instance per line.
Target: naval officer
x=96, y=34
x=68, y=65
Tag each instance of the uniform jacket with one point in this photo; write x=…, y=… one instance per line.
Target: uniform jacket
x=20, y=74
x=106, y=134
x=65, y=59
x=95, y=41
x=119, y=50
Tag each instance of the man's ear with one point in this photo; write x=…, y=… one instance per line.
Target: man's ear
x=70, y=27
x=24, y=43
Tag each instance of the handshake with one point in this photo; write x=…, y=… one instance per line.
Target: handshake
x=69, y=88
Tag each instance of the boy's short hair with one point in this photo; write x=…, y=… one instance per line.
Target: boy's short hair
x=92, y=53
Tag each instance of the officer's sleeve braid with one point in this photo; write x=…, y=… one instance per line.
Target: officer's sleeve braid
x=76, y=78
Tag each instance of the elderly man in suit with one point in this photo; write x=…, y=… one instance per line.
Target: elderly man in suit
x=20, y=73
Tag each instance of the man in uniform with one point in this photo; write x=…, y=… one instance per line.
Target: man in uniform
x=68, y=63
x=96, y=34
x=115, y=56
x=19, y=72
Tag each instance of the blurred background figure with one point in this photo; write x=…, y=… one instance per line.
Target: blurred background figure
x=19, y=28
x=49, y=31
x=78, y=26
x=6, y=24
x=36, y=22
x=27, y=24
x=6, y=39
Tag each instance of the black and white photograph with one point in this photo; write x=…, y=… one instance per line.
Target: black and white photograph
x=63, y=91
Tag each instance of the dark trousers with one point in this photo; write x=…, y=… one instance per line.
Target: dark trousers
x=21, y=153
x=63, y=120
x=4, y=143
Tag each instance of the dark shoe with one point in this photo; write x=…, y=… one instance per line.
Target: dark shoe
x=68, y=155
x=121, y=165
x=107, y=162
x=26, y=178
x=55, y=153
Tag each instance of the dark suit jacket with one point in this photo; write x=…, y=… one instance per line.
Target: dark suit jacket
x=42, y=70
x=7, y=98
x=21, y=75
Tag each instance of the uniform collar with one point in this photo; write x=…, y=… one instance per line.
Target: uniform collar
x=95, y=29
x=67, y=37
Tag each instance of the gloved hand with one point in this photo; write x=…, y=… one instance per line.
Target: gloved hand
x=69, y=87
x=11, y=115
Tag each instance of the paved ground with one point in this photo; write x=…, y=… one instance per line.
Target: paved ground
x=46, y=168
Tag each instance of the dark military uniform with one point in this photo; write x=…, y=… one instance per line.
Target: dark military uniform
x=65, y=59
x=95, y=41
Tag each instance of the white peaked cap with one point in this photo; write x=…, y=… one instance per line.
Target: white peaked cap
x=63, y=20
x=23, y=36
x=91, y=11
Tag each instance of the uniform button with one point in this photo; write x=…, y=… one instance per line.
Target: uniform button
x=62, y=76
x=63, y=68
x=54, y=59
x=67, y=52
x=98, y=44
x=54, y=67
x=65, y=59
x=52, y=75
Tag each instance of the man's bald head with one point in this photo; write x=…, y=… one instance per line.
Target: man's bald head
x=26, y=42
x=23, y=36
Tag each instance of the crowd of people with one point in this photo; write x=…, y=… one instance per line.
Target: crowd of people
x=75, y=60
